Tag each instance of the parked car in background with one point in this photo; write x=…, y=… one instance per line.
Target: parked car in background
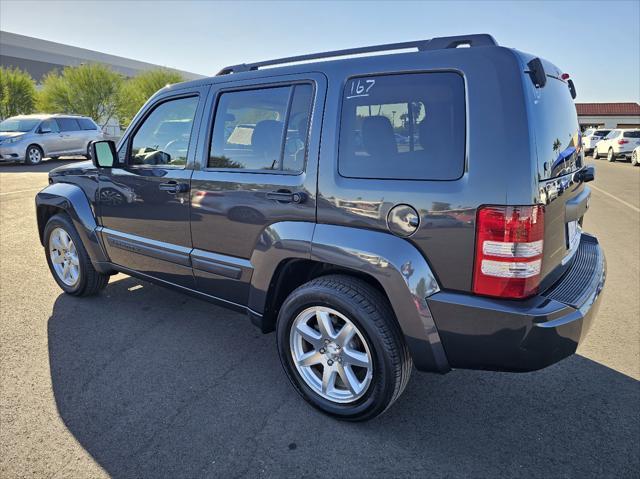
x=30, y=138
x=591, y=138
x=635, y=156
x=619, y=143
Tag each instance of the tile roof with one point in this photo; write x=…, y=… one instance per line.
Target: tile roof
x=608, y=109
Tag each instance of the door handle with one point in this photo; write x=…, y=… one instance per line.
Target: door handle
x=173, y=187
x=286, y=196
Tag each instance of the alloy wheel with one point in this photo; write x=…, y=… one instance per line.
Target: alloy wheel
x=331, y=354
x=64, y=257
x=34, y=154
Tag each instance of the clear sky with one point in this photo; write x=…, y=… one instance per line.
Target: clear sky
x=597, y=42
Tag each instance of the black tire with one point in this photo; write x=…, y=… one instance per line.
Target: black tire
x=635, y=161
x=611, y=157
x=370, y=312
x=29, y=156
x=89, y=281
x=594, y=154
x=88, y=153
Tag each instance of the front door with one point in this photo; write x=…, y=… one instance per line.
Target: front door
x=144, y=204
x=50, y=138
x=258, y=168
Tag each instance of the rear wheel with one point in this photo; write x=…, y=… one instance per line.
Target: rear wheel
x=33, y=155
x=341, y=347
x=611, y=157
x=68, y=260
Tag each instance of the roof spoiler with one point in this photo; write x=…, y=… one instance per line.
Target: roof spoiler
x=438, y=43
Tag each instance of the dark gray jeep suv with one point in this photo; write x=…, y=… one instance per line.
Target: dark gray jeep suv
x=377, y=212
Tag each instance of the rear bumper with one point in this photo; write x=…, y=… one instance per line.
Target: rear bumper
x=502, y=335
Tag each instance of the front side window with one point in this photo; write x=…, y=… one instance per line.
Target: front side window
x=163, y=138
x=262, y=130
x=49, y=125
x=601, y=133
x=68, y=124
x=403, y=127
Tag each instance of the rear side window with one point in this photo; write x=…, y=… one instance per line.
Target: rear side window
x=613, y=134
x=408, y=127
x=632, y=134
x=262, y=129
x=68, y=124
x=87, y=124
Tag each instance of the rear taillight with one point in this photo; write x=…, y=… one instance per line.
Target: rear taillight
x=622, y=142
x=509, y=244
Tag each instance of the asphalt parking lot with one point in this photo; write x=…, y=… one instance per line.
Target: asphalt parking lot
x=141, y=381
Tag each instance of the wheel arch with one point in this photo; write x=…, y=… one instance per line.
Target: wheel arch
x=71, y=200
x=298, y=252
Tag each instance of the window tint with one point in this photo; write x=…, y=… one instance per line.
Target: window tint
x=68, y=124
x=163, y=138
x=49, y=125
x=249, y=129
x=87, y=124
x=632, y=134
x=403, y=127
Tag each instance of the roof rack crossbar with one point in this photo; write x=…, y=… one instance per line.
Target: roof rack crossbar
x=437, y=43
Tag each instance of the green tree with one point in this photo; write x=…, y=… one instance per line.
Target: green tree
x=17, y=92
x=136, y=91
x=89, y=90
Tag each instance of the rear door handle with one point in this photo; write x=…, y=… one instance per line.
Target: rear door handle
x=173, y=187
x=286, y=196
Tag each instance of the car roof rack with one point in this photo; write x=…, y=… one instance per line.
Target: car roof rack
x=438, y=43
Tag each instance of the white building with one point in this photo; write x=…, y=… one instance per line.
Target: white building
x=39, y=57
x=608, y=115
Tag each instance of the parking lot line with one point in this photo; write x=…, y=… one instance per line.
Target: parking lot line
x=20, y=191
x=634, y=208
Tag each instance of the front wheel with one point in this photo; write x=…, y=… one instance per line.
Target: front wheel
x=634, y=158
x=611, y=157
x=68, y=260
x=33, y=155
x=594, y=155
x=341, y=347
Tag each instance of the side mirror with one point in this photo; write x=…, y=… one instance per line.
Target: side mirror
x=44, y=130
x=103, y=154
x=588, y=174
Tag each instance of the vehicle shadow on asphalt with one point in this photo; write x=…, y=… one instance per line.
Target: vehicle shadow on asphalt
x=47, y=165
x=153, y=383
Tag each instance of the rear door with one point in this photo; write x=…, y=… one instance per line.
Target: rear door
x=258, y=167
x=559, y=155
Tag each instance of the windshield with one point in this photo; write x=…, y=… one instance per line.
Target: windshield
x=18, y=124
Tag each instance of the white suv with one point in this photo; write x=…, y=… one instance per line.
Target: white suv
x=618, y=143
x=591, y=138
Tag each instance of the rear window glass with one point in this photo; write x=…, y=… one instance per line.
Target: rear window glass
x=87, y=124
x=68, y=124
x=632, y=134
x=557, y=132
x=409, y=126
